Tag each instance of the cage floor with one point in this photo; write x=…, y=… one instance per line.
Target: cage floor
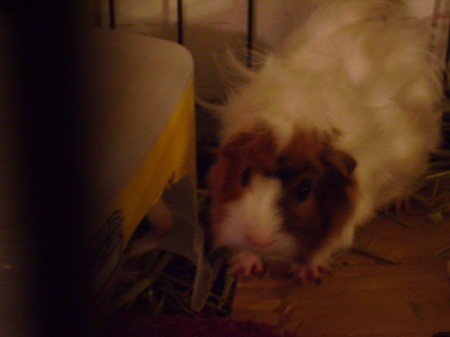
x=405, y=292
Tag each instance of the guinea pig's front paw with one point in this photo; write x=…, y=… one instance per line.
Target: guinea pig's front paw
x=246, y=264
x=310, y=271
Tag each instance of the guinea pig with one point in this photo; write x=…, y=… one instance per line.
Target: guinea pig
x=337, y=123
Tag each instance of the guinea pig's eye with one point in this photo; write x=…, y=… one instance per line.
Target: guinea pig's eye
x=245, y=176
x=303, y=190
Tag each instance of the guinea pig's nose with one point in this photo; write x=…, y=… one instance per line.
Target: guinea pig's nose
x=257, y=241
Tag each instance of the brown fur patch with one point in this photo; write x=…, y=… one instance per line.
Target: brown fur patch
x=311, y=160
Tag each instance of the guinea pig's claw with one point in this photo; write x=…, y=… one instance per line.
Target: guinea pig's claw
x=312, y=272
x=246, y=264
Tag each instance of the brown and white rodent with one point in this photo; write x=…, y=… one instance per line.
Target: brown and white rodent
x=336, y=124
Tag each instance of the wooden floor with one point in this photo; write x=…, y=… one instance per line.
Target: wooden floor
x=365, y=297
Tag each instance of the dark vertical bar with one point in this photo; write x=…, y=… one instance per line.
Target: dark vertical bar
x=180, y=21
x=48, y=87
x=112, y=14
x=250, y=24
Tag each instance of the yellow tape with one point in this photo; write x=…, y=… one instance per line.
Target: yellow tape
x=171, y=158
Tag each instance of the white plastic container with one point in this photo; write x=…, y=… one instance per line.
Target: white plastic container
x=143, y=137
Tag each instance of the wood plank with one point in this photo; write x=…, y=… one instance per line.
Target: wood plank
x=365, y=297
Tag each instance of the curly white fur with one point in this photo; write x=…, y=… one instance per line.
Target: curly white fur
x=360, y=68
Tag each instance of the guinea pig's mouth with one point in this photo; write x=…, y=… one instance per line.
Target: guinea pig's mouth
x=258, y=243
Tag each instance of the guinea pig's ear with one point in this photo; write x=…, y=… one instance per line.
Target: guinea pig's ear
x=339, y=161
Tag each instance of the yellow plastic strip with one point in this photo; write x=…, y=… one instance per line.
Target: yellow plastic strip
x=171, y=158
